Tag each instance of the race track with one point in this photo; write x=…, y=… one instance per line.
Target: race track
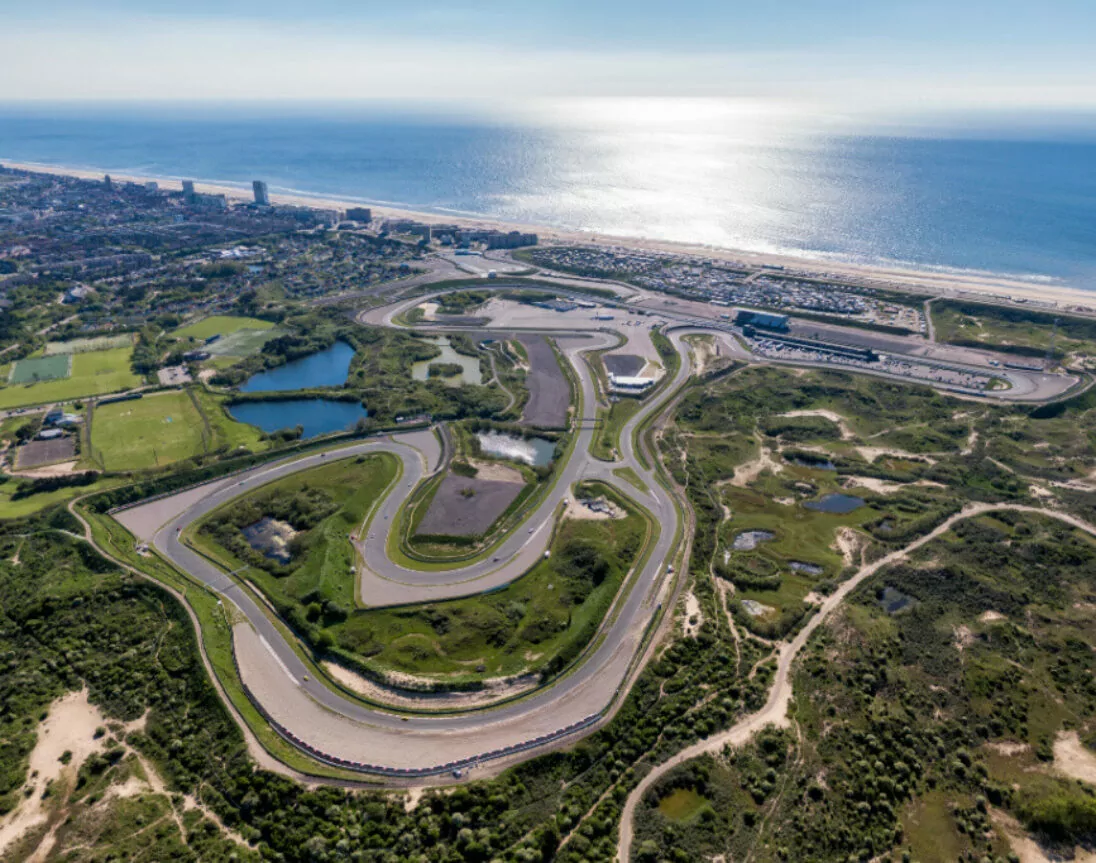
x=347, y=732
x=322, y=720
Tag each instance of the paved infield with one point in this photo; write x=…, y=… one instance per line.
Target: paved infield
x=549, y=394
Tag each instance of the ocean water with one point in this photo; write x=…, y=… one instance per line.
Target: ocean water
x=993, y=204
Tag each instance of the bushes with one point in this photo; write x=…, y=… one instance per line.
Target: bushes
x=1067, y=814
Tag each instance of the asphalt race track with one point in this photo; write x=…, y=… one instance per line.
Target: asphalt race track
x=323, y=721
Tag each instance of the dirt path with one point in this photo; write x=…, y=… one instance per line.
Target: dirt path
x=775, y=709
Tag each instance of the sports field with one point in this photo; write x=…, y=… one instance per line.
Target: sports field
x=220, y=325
x=31, y=371
x=150, y=432
x=92, y=374
x=83, y=346
x=242, y=343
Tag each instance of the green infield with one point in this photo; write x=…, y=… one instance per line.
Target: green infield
x=538, y=624
x=83, y=346
x=150, y=432
x=302, y=559
x=220, y=325
x=92, y=374
x=40, y=369
x=290, y=538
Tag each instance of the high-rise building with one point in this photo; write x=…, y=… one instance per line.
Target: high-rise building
x=359, y=214
x=107, y=181
x=261, y=196
x=188, y=189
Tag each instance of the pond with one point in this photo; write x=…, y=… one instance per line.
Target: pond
x=270, y=537
x=536, y=451
x=894, y=601
x=470, y=366
x=751, y=539
x=315, y=416
x=841, y=504
x=681, y=804
x=329, y=368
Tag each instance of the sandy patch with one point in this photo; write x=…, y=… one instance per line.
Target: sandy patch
x=871, y=453
x=596, y=509
x=705, y=352
x=1073, y=758
x=694, y=618
x=991, y=616
x=850, y=544
x=835, y=418
x=495, y=690
x=1026, y=848
x=492, y=470
x=1009, y=747
x=882, y=486
x=60, y=469
x=972, y=439
x=69, y=727
x=964, y=638
x=746, y=473
x=414, y=795
x=429, y=311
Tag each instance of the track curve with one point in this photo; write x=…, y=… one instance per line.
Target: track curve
x=349, y=733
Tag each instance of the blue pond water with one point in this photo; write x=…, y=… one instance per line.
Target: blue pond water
x=837, y=503
x=328, y=368
x=315, y=416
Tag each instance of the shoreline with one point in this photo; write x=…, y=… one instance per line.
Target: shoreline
x=950, y=283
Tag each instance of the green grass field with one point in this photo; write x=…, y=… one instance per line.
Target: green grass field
x=242, y=343
x=606, y=440
x=25, y=506
x=222, y=325
x=35, y=369
x=226, y=431
x=149, y=432
x=323, y=572
x=92, y=374
x=81, y=346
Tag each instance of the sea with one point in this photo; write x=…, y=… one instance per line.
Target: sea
x=996, y=201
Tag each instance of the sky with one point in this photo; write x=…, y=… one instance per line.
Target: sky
x=856, y=55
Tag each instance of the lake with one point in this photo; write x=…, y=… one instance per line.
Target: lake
x=470, y=366
x=315, y=416
x=328, y=368
x=841, y=504
x=534, y=451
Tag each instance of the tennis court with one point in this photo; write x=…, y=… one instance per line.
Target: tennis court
x=31, y=371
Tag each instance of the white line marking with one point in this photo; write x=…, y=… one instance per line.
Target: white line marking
x=278, y=660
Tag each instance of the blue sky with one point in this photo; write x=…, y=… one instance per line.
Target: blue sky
x=905, y=55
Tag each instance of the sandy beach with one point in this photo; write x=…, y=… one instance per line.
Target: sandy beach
x=945, y=283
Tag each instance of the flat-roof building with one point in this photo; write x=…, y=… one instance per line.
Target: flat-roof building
x=629, y=383
x=762, y=320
